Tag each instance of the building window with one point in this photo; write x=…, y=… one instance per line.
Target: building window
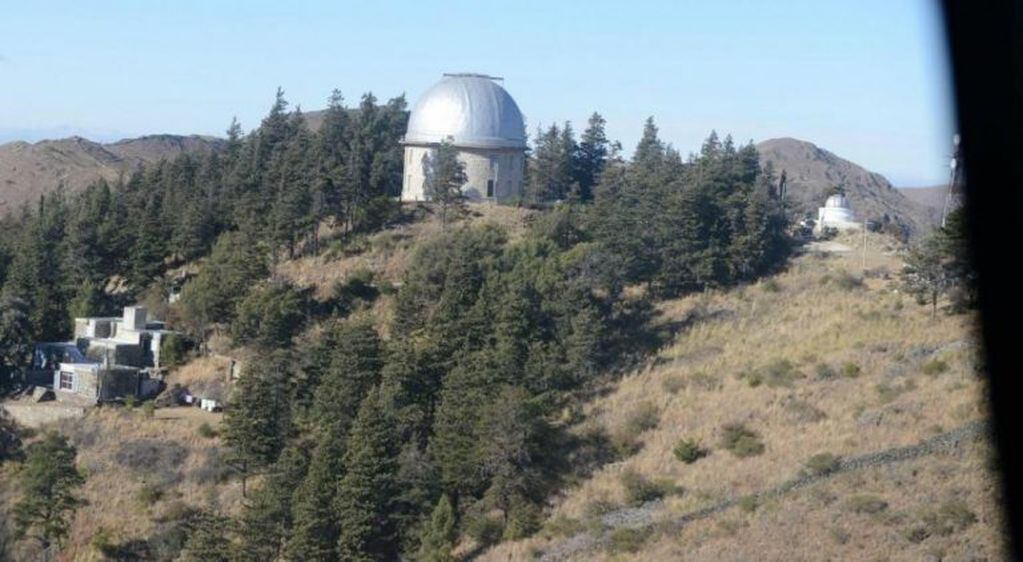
x=67, y=381
x=490, y=188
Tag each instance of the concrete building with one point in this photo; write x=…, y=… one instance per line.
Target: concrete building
x=127, y=340
x=475, y=114
x=836, y=214
x=111, y=358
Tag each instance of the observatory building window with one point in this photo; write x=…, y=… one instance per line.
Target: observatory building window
x=490, y=188
x=66, y=381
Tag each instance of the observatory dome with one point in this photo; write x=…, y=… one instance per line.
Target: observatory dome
x=837, y=201
x=472, y=109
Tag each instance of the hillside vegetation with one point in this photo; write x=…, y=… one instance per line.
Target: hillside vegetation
x=447, y=380
x=779, y=379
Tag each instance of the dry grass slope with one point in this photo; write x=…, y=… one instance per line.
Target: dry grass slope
x=811, y=362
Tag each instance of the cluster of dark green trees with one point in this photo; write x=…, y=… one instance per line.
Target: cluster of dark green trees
x=939, y=267
x=373, y=448
x=563, y=168
x=358, y=447
x=48, y=480
x=270, y=189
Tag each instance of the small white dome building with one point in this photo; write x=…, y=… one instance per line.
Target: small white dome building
x=836, y=213
x=481, y=119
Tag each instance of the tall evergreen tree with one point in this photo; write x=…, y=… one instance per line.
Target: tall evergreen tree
x=368, y=490
x=265, y=524
x=208, y=539
x=593, y=153
x=258, y=421
x=48, y=482
x=438, y=540
x=445, y=176
x=316, y=528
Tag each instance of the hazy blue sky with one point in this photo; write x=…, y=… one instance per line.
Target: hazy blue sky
x=866, y=79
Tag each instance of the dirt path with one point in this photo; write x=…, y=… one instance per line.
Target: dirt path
x=644, y=516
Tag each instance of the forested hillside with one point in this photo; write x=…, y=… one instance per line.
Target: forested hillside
x=360, y=434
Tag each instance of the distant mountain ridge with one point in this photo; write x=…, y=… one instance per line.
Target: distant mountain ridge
x=28, y=170
x=812, y=171
x=931, y=199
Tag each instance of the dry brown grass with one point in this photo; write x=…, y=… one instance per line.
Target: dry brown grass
x=386, y=253
x=809, y=315
x=112, y=490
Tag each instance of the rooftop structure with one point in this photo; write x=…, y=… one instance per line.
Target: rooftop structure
x=478, y=116
x=836, y=214
x=110, y=359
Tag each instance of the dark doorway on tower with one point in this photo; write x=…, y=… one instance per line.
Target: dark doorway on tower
x=490, y=188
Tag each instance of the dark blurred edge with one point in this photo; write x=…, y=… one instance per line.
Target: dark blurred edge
x=985, y=40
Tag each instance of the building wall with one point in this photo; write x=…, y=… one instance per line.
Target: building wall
x=502, y=166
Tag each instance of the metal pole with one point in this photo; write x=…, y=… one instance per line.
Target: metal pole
x=864, y=262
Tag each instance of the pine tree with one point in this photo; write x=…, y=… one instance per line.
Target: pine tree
x=334, y=139
x=445, y=176
x=593, y=154
x=266, y=520
x=648, y=160
x=15, y=338
x=48, y=481
x=367, y=492
x=208, y=539
x=354, y=369
x=258, y=421
x=438, y=539
x=315, y=532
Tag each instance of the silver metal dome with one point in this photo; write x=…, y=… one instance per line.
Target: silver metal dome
x=472, y=109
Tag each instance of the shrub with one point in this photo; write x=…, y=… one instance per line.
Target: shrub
x=823, y=463
x=356, y=291
x=639, y=489
x=149, y=494
x=749, y=503
x=825, y=372
x=850, y=370
x=206, y=430
x=673, y=383
x=867, y=504
x=624, y=446
x=486, y=531
x=643, y=418
x=599, y=507
x=771, y=286
x=562, y=526
x=689, y=451
x=524, y=520
x=950, y=517
x=174, y=349
x=741, y=441
x=628, y=539
x=149, y=409
x=934, y=367
x=803, y=412
x=10, y=438
x=780, y=372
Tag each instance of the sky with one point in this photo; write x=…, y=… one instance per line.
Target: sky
x=865, y=79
